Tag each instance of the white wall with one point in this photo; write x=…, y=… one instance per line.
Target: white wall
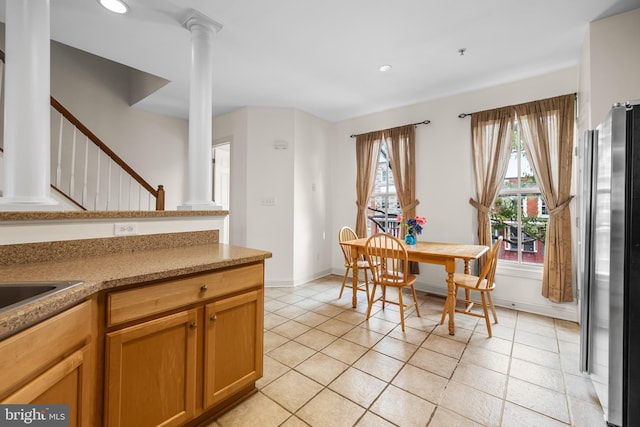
x=445, y=178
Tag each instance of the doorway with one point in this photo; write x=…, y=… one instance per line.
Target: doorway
x=221, y=158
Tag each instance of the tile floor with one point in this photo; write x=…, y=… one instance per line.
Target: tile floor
x=325, y=365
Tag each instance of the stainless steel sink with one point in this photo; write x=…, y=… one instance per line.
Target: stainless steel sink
x=14, y=294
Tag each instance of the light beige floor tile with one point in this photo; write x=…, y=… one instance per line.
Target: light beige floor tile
x=335, y=327
x=570, y=365
x=488, y=359
x=328, y=310
x=422, y=383
x=445, y=418
x=256, y=411
x=538, y=399
x=537, y=341
x=498, y=330
x=345, y=351
x=358, y=386
x=473, y=404
x=379, y=325
x=309, y=304
x=292, y=390
x=409, y=335
x=395, y=348
x=370, y=419
x=291, y=298
x=525, y=318
x=274, y=305
x=402, y=408
x=290, y=311
x=291, y=353
x=546, y=358
x=585, y=414
x=316, y=339
x=271, y=369
x=423, y=323
x=363, y=336
x=434, y=362
x=273, y=341
x=499, y=345
x=351, y=316
x=379, y=365
x=569, y=349
x=581, y=388
x=329, y=409
x=482, y=379
x=271, y=320
x=545, y=329
x=290, y=329
x=294, y=421
x=515, y=415
x=446, y=346
x=322, y=368
x=536, y=374
x=461, y=334
x=274, y=292
x=311, y=319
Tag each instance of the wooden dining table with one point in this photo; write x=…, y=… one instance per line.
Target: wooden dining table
x=445, y=254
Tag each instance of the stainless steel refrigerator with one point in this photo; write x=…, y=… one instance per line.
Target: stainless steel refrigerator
x=610, y=263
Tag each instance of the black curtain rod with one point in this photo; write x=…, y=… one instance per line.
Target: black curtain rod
x=425, y=122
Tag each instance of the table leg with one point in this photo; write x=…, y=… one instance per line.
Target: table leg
x=354, y=282
x=451, y=297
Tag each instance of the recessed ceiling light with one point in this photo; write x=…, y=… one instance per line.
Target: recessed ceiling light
x=116, y=6
x=385, y=68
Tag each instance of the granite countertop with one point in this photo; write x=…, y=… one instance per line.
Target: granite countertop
x=111, y=271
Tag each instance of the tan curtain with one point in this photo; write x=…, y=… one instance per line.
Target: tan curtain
x=368, y=147
x=547, y=131
x=402, y=155
x=491, y=136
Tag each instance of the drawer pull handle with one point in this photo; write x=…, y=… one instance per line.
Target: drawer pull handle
x=213, y=318
x=193, y=325
x=203, y=288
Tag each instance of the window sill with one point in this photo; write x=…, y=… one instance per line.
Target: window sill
x=525, y=271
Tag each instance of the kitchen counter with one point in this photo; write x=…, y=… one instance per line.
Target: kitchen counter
x=112, y=270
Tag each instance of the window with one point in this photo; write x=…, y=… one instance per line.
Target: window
x=519, y=213
x=384, y=206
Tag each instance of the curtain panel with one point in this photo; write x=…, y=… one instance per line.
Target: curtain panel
x=367, y=154
x=491, y=134
x=402, y=155
x=547, y=131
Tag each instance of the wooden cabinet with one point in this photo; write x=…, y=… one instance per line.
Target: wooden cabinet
x=151, y=372
x=181, y=350
x=233, y=345
x=53, y=362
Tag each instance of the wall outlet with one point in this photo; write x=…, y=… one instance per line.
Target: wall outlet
x=125, y=229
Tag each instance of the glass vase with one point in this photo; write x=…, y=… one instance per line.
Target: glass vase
x=410, y=239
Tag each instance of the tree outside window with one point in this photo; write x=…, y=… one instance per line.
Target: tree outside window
x=519, y=213
x=384, y=206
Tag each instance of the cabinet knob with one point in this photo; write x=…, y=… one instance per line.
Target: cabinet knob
x=193, y=325
x=213, y=318
x=203, y=288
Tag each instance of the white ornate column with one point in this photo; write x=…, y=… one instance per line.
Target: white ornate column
x=199, y=183
x=27, y=129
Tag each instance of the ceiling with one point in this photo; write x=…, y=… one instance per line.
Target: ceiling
x=323, y=56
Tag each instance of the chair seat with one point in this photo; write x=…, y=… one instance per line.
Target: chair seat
x=396, y=279
x=470, y=281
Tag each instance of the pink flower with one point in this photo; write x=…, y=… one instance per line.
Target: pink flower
x=399, y=217
x=421, y=220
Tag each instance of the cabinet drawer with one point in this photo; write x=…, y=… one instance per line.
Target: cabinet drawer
x=132, y=304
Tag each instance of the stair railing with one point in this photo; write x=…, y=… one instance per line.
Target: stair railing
x=88, y=173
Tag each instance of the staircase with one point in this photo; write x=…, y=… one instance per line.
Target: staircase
x=86, y=172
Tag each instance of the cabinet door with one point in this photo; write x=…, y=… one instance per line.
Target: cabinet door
x=67, y=382
x=233, y=345
x=151, y=372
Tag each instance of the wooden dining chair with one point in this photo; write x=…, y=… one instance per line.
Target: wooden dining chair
x=389, y=264
x=483, y=283
x=346, y=233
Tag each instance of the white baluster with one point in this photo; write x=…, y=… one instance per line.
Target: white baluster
x=86, y=170
x=95, y=201
x=72, y=184
x=59, y=165
x=109, y=185
x=119, y=189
